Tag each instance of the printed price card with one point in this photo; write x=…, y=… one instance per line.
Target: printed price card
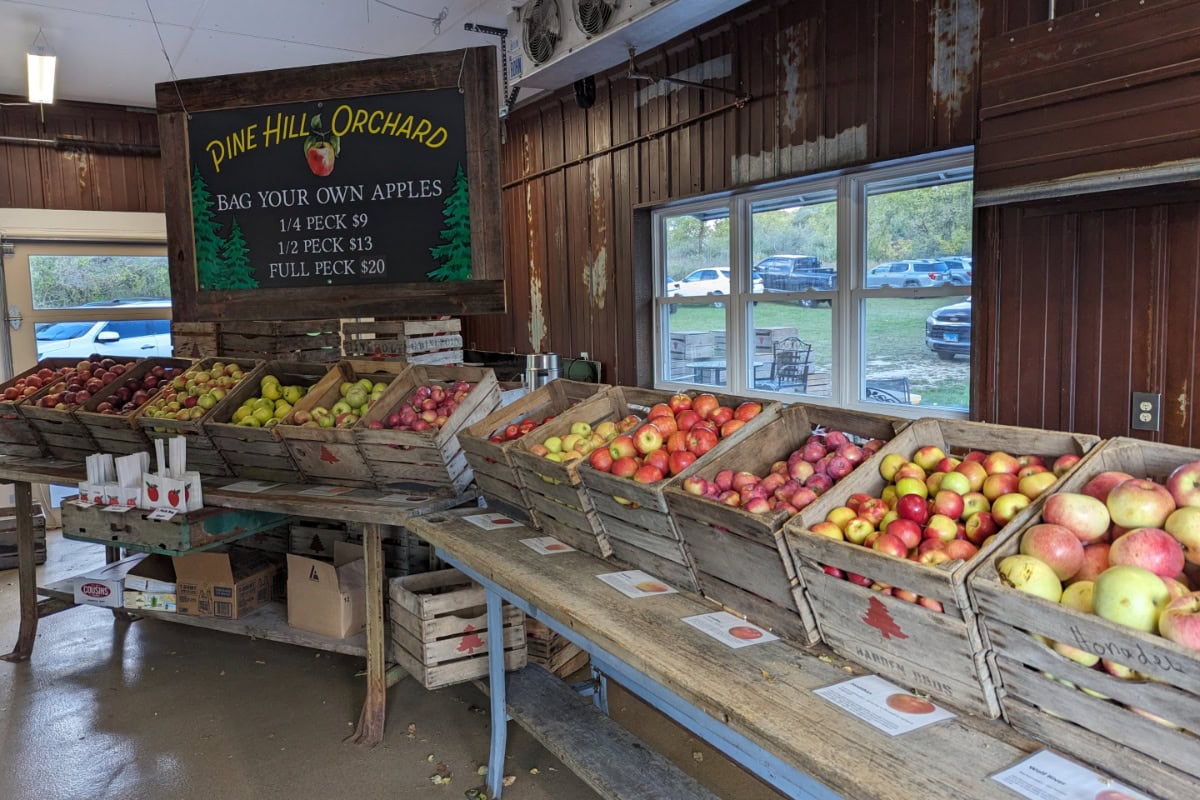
x=1049, y=776
x=162, y=514
x=547, y=545
x=250, y=487
x=493, y=521
x=635, y=583
x=729, y=630
x=326, y=491
x=884, y=705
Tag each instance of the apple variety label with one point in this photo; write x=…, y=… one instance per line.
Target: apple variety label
x=729, y=630
x=117, y=509
x=636, y=584
x=356, y=190
x=493, y=522
x=162, y=514
x=883, y=705
x=326, y=491
x=250, y=487
x=547, y=546
x=1049, y=776
x=403, y=499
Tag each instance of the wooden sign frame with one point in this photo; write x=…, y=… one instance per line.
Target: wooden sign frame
x=472, y=70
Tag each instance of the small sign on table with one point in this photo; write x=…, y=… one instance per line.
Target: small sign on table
x=635, y=583
x=547, y=545
x=1049, y=776
x=884, y=705
x=493, y=521
x=161, y=514
x=250, y=487
x=729, y=630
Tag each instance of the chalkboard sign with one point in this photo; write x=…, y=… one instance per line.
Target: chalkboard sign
x=368, y=188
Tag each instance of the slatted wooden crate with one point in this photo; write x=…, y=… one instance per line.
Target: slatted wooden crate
x=202, y=453
x=195, y=340
x=439, y=629
x=1086, y=711
x=434, y=459
x=259, y=453
x=941, y=654
x=62, y=434
x=195, y=529
x=416, y=341
x=331, y=455
x=313, y=340
x=491, y=461
x=8, y=537
x=552, y=651
x=741, y=560
x=636, y=518
x=118, y=433
x=18, y=437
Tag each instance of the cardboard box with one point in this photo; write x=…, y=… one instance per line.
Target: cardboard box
x=153, y=601
x=325, y=598
x=105, y=585
x=155, y=573
x=225, y=585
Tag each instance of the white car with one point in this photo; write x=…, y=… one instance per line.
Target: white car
x=136, y=338
x=701, y=282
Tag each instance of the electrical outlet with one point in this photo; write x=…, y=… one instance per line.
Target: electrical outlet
x=584, y=355
x=1147, y=407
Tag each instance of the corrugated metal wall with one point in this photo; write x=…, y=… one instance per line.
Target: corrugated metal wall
x=75, y=179
x=833, y=84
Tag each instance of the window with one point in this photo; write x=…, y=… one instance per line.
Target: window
x=852, y=289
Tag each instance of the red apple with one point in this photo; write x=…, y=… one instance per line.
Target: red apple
x=1180, y=621
x=701, y=440
x=941, y=527
x=659, y=459
x=873, y=509
x=1139, y=504
x=1063, y=464
x=827, y=529
x=1184, y=484
x=624, y=467
x=975, y=473
x=1095, y=561
x=948, y=503
x=622, y=447
x=973, y=503
x=679, y=402
x=648, y=474
x=834, y=572
x=858, y=580
x=819, y=483
x=721, y=415
x=891, y=545
x=913, y=507
x=1082, y=514
x=747, y=411
x=1099, y=486
x=906, y=531
x=839, y=467
x=1001, y=462
x=601, y=459
x=1056, y=546
x=731, y=427
x=685, y=419
x=665, y=425
x=676, y=442
x=647, y=439
x=694, y=484
x=681, y=460
x=979, y=526
x=960, y=550
x=1000, y=483
x=1149, y=548
x=741, y=479
x=659, y=410
x=705, y=404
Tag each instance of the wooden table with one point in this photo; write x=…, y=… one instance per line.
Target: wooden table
x=755, y=704
x=360, y=505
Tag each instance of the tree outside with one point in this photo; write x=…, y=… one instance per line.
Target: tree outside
x=454, y=255
x=69, y=281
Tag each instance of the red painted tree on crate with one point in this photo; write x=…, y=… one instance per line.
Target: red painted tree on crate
x=878, y=617
x=470, y=641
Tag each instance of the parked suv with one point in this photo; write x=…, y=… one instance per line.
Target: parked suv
x=788, y=273
x=710, y=280
x=948, y=330
x=141, y=338
x=909, y=274
x=959, y=270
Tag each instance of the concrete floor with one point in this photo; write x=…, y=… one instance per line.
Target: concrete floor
x=108, y=709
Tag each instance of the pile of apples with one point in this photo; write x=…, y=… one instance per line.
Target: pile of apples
x=30, y=384
x=273, y=404
x=1122, y=549
x=428, y=407
x=583, y=439
x=188, y=397
x=515, y=430
x=938, y=508
x=89, y=378
x=810, y=471
x=135, y=392
x=674, y=435
x=356, y=399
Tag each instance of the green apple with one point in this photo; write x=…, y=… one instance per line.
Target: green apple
x=339, y=408
x=1130, y=596
x=293, y=394
x=326, y=420
x=356, y=397
x=379, y=388
x=1032, y=576
x=345, y=387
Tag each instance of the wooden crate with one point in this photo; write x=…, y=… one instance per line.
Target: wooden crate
x=195, y=340
x=403, y=339
x=636, y=518
x=181, y=532
x=202, y=453
x=439, y=629
x=331, y=455
x=493, y=467
x=312, y=340
x=1102, y=730
x=62, y=435
x=939, y=654
x=259, y=453
x=552, y=651
x=435, y=459
x=118, y=433
x=8, y=537
x=691, y=345
x=18, y=436
x=740, y=558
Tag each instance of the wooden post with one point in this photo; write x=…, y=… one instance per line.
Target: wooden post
x=26, y=573
x=371, y=720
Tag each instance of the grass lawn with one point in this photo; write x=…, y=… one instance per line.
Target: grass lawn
x=894, y=347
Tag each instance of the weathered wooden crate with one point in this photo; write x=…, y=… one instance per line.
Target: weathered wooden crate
x=18, y=437
x=690, y=345
x=439, y=629
x=765, y=339
x=259, y=453
x=195, y=340
x=314, y=340
x=63, y=436
x=940, y=654
x=741, y=560
x=181, y=532
x=8, y=537
x=433, y=459
x=552, y=651
x=118, y=433
x=491, y=461
x=331, y=455
x=404, y=339
x=202, y=453
x=636, y=518
x=1086, y=711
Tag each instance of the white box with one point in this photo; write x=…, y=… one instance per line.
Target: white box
x=105, y=586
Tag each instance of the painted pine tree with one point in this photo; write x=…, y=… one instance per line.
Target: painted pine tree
x=236, y=272
x=207, y=235
x=455, y=255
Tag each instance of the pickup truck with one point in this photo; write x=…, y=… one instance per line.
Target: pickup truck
x=796, y=274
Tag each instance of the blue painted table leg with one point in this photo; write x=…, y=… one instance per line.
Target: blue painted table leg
x=600, y=696
x=495, y=622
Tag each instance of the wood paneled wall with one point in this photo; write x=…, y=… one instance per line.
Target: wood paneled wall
x=118, y=170
x=832, y=84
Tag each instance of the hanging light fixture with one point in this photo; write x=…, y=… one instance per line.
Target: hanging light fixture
x=40, y=62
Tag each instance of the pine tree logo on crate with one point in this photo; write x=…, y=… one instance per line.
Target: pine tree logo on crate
x=327, y=456
x=880, y=618
x=470, y=641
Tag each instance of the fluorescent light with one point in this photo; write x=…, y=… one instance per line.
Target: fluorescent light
x=41, y=77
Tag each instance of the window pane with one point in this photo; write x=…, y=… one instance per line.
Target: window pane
x=697, y=245
x=135, y=338
x=918, y=351
x=60, y=281
x=795, y=243
x=792, y=348
x=919, y=237
x=696, y=338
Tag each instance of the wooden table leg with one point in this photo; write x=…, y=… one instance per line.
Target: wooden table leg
x=26, y=574
x=371, y=720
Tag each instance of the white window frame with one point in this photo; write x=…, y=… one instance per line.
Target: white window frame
x=848, y=300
